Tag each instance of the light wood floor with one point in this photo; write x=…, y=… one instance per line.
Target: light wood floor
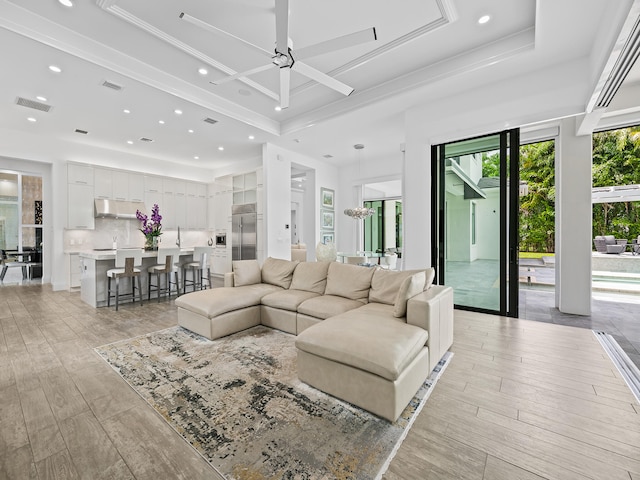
x=520, y=400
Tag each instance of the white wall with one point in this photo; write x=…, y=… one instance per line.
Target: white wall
x=319, y=175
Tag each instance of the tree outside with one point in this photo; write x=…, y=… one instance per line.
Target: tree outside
x=616, y=161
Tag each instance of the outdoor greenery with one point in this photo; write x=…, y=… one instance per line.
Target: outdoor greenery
x=616, y=161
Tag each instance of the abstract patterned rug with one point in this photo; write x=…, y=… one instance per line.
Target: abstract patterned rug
x=238, y=401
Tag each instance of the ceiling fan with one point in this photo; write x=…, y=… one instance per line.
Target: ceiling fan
x=283, y=57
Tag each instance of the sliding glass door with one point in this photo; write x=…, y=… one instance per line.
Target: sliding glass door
x=475, y=221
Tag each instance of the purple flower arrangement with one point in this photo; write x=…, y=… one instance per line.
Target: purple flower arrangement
x=151, y=227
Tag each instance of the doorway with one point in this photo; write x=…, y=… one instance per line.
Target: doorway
x=21, y=222
x=475, y=221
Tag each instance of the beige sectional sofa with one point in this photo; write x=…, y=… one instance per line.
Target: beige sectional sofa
x=368, y=336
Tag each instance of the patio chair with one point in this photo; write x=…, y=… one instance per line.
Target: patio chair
x=609, y=244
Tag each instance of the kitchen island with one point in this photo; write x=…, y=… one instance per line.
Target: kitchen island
x=95, y=263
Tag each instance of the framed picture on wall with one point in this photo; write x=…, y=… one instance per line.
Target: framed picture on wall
x=327, y=237
x=326, y=219
x=326, y=198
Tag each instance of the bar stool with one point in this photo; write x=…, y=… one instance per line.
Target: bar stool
x=127, y=263
x=197, y=267
x=164, y=268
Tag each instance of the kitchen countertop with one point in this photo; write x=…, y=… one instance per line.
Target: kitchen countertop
x=111, y=254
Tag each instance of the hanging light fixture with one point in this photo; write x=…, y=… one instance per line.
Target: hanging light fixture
x=359, y=213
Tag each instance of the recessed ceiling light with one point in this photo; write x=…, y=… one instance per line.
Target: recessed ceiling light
x=244, y=92
x=203, y=71
x=66, y=3
x=41, y=98
x=130, y=142
x=55, y=68
x=161, y=122
x=126, y=110
x=196, y=158
x=278, y=108
x=31, y=119
x=251, y=137
x=221, y=148
x=177, y=111
x=190, y=130
x=484, y=19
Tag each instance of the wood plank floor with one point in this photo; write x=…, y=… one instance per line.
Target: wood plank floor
x=520, y=400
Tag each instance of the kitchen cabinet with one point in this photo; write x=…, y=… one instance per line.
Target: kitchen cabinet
x=152, y=184
x=80, y=209
x=136, y=187
x=80, y=174
x=103, y=183
x=120, y=185
x=75, y=270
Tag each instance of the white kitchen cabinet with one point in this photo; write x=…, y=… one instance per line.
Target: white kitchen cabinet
x=168, y=211
x=75, y=270
x=80, y=174
x=80, y=207
x=136, y=187
x=120, y=185
x=180, y=201
x=151, y=198
x=103, y=183
x=168, y=185
x=152, y=184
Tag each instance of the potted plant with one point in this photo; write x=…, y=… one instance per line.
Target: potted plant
x=151, y=227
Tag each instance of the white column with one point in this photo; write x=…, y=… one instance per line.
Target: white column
x=573, y=220
x=277, y=205
x=416, y=205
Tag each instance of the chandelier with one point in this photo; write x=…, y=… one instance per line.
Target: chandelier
x=359, y=213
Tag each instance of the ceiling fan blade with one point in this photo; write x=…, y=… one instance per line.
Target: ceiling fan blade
x=210, y=28
x=338, y=43
x=285, y=83
x=322, y=78
x=246, y=73
x=282, y=26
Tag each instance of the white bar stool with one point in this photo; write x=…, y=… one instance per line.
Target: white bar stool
x=197, y=267
x=128, y=262
x=164, y=268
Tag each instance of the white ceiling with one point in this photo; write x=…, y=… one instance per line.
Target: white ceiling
x=425, y=49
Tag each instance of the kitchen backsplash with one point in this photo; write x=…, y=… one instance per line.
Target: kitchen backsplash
x=128, y=236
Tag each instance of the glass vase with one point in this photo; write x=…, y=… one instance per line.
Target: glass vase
x=151, y=242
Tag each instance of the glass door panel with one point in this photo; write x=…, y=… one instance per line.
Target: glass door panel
x=472, y=221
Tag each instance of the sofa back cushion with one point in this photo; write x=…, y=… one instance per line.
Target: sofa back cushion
x=349, y=281
x=385, y=285
x=246, y=272
x=310, y=277
x=411, y=286
x=276, y=271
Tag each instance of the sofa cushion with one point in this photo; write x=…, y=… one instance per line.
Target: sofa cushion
x=217, y=301
x=246, y=272
x=325, y=306
x=349, y=281
x=385, y=284
x=287, y=299
x=278, y=272
x=410, y=287
x=376, y=343
x=310, y=277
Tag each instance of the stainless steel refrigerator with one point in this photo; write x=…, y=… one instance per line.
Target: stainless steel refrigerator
x=243, y=232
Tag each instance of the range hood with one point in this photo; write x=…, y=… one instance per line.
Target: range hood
x=106, y=208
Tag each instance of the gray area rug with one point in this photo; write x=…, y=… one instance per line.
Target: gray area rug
x=238, y=401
